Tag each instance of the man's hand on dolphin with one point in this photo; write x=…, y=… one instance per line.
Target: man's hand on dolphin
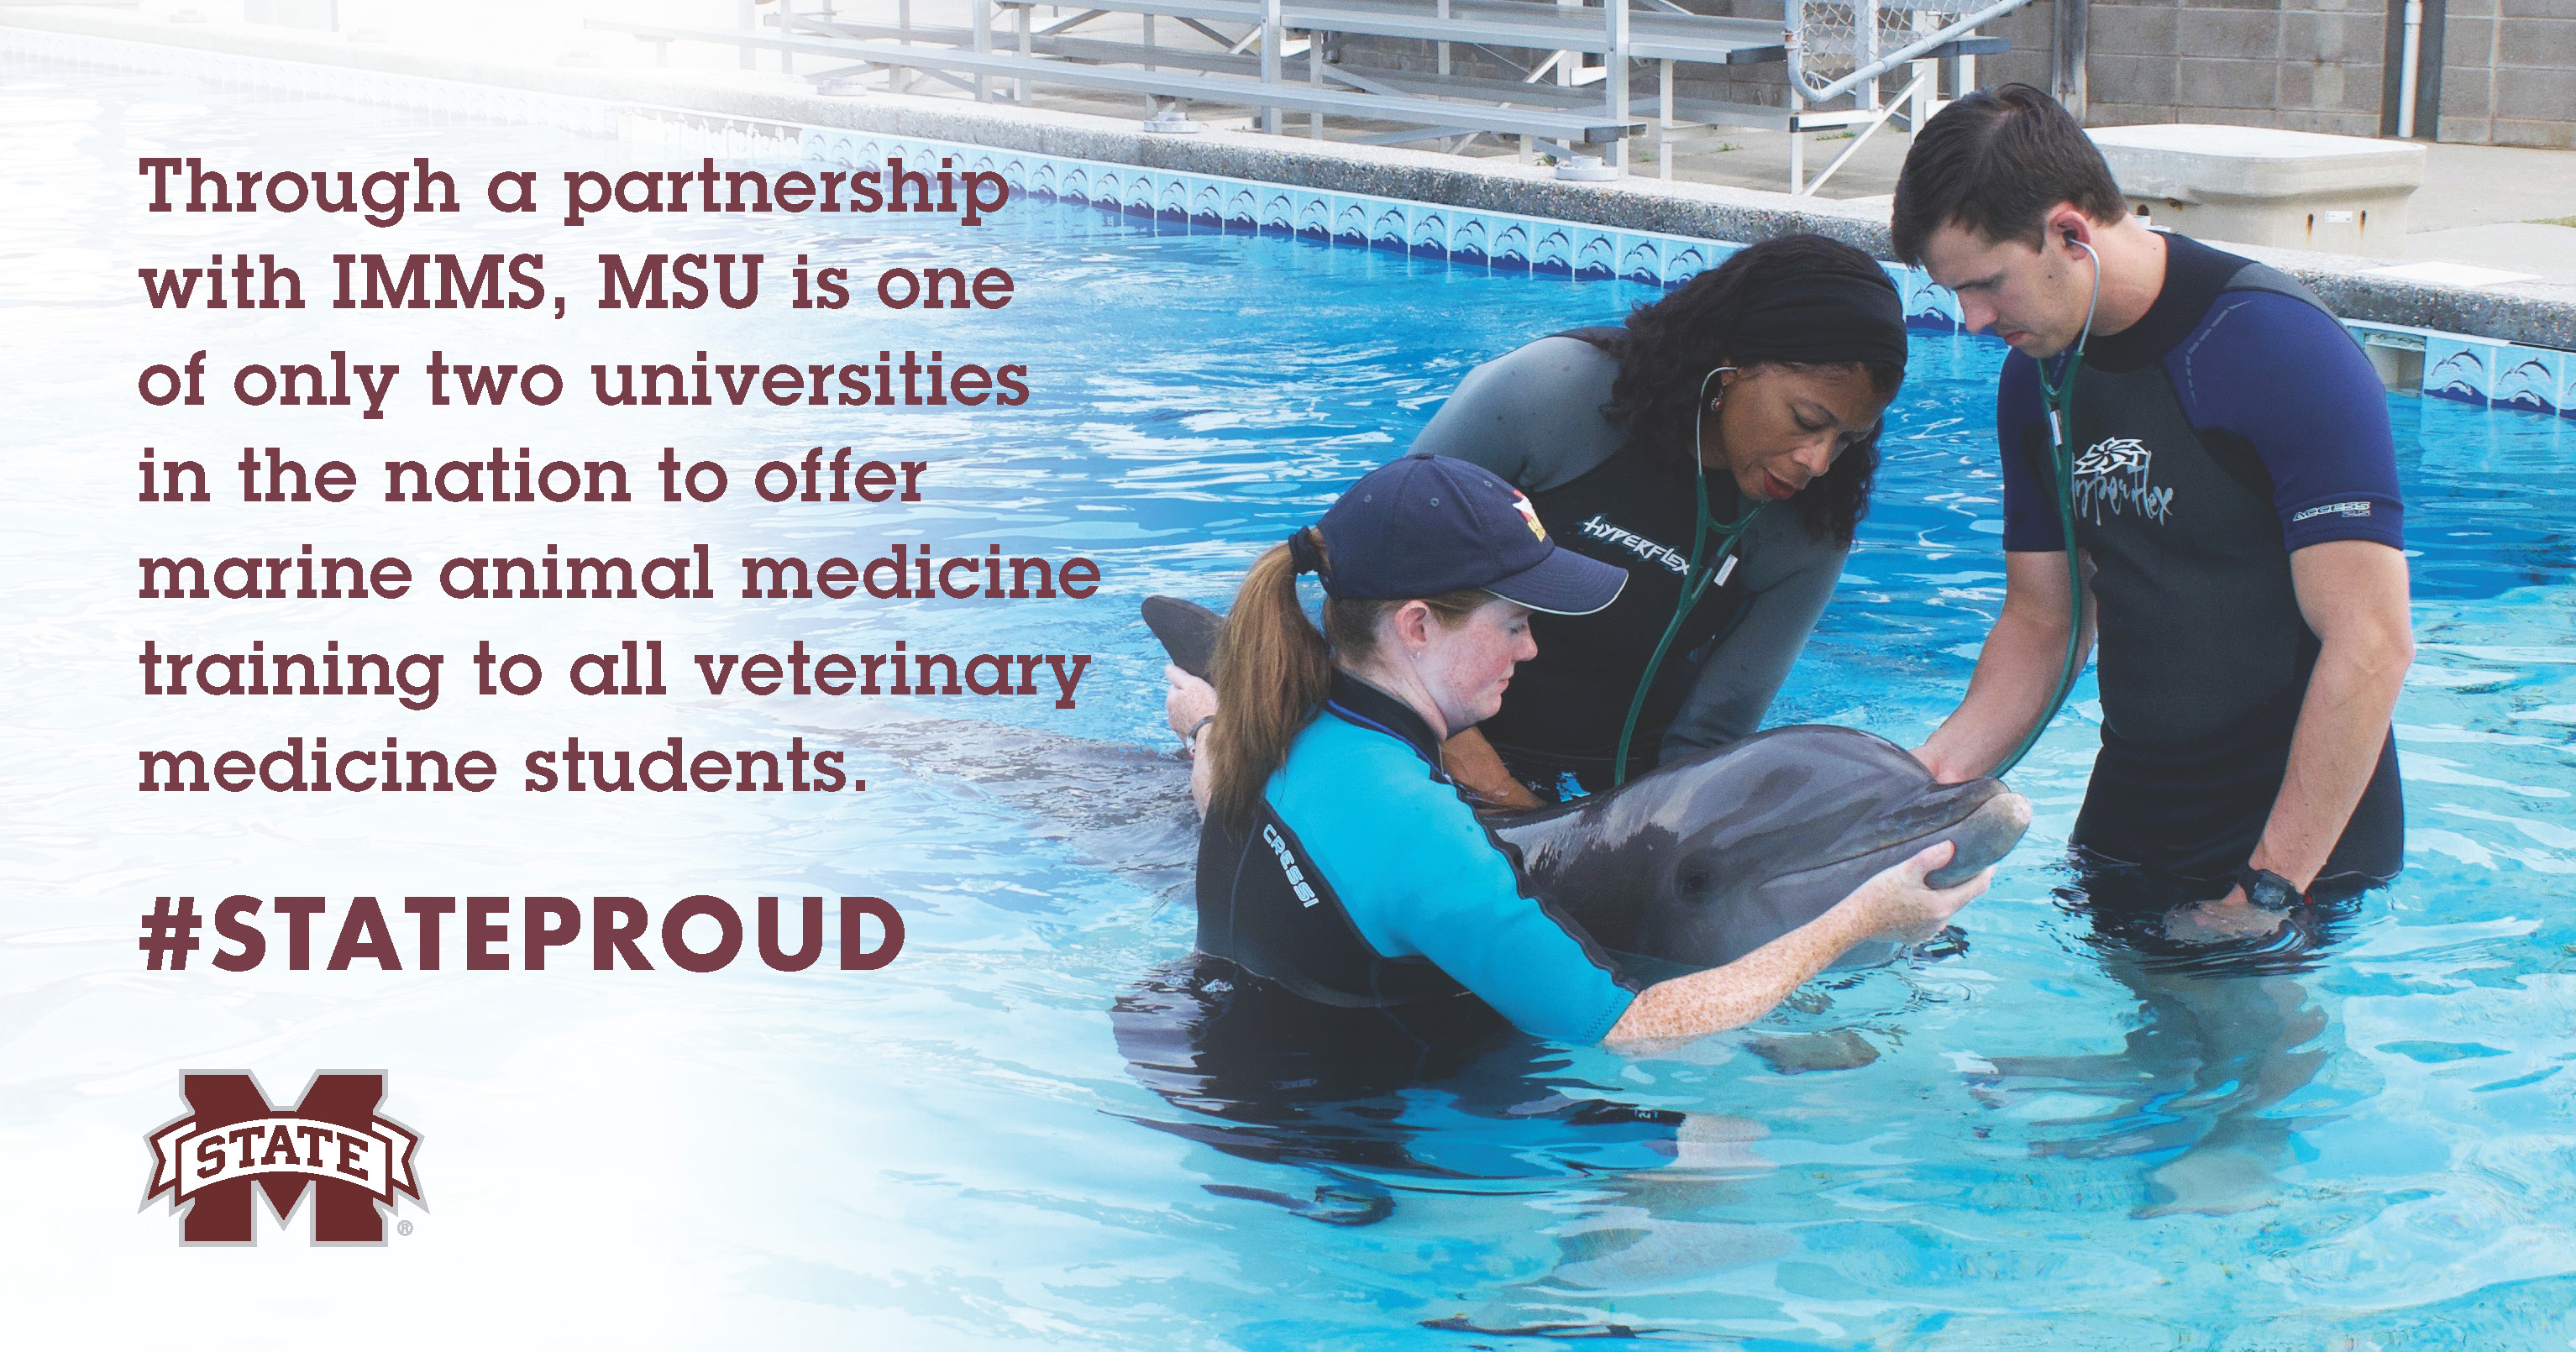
x=2227, y=919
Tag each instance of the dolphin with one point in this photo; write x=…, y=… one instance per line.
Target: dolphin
x=1705, y=859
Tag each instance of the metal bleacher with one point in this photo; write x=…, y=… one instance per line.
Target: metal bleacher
x=1568, y=82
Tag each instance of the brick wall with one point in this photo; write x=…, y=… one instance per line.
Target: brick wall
x=2304, y=65
x=2509, y=72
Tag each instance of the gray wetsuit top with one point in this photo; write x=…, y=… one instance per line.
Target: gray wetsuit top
x=1533, y=416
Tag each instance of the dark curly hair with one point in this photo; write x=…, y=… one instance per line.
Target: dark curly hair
x=1672, y=343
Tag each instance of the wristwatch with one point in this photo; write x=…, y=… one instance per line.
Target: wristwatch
x=2269, y=890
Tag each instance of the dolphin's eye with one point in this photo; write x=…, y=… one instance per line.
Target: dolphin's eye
x=1694, y=882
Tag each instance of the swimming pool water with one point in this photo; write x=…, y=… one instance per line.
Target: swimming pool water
x=2037, y=1142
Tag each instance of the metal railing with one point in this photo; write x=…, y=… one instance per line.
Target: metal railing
x=1575, y=94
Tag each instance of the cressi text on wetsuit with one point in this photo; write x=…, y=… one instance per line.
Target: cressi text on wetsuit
x=1366, y=882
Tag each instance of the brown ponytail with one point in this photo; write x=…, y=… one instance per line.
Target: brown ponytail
x=1272, y=670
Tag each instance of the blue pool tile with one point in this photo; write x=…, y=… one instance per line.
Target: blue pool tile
x=1314, y=221
x=1552, y=250
x=1467, y=242
x=1641, y=261
x=1595, y=256
x=1350, y=220
x=2532, y=379
x=1430, y=233
x=1388, y=230
x=1929, y=306
x=1685, y=261
x=2459, y=368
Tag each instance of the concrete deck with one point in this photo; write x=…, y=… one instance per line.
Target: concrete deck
x=1713, y=194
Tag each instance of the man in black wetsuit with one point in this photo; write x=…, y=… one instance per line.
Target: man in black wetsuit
x=2227, y=456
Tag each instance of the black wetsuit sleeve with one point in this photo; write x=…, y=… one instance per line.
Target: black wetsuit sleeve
x=1531, y=415
x=1790, y=576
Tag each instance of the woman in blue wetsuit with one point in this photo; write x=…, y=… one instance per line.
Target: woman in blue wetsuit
x=1340, y=863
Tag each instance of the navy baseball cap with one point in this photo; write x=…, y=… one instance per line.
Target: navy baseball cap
x=1428, y=524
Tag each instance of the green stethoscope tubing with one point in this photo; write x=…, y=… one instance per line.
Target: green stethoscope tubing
x=2059, y=395
x=1695, y=578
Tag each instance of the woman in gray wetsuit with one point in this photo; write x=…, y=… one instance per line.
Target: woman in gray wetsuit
x=1773, y=371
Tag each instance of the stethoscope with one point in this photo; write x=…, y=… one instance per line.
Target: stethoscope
x=2059, y=396
x=1696, y=579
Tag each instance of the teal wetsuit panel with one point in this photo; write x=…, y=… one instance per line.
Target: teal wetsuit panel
x=1419, y=877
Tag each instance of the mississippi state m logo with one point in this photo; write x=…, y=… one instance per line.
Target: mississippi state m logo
x=233, y=1145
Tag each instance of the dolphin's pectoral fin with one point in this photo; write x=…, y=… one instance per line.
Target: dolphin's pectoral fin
x=1187, y=630
x=1988, y=834
x=1867, y=953
x=1803, y=1053
x=1465, y=1323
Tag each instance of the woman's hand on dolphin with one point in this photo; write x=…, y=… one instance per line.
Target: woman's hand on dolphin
x=1190, y=703
x=1910, y=909
x=1187, y=701
x=1896, y=901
